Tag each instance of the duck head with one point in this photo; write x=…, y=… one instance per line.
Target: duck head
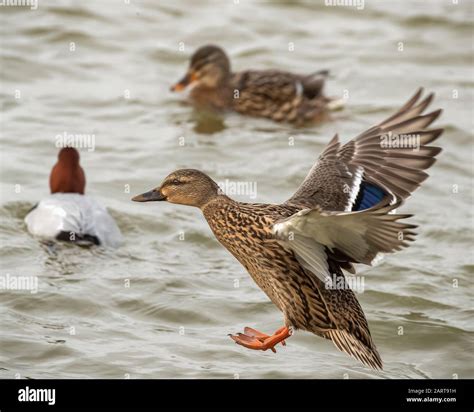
x=209, y=67
x=184, y=187
x=67, y=175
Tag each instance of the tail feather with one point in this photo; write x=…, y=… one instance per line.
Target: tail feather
x=348, y=343
x=313, y=84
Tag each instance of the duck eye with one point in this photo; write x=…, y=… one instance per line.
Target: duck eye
x=176, y=182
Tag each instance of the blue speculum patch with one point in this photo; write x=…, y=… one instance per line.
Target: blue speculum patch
x=369, y=195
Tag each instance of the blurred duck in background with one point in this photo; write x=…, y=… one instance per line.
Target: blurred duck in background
x=277, y=95
x=67, y=213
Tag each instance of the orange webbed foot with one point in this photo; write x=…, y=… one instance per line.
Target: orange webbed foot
x=254, y=339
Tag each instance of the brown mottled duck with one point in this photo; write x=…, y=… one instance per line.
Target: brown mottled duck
x=274, y=94
x=343, y=213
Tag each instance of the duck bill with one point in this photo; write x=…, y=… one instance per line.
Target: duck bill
x=187, y=80
x=151, y=196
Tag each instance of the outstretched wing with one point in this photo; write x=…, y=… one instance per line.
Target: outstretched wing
x=359, y=236
x=387, y=159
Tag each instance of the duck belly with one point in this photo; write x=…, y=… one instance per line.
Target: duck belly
x=78, y=215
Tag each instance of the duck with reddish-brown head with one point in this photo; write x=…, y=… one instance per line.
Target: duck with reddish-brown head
x=67, y=213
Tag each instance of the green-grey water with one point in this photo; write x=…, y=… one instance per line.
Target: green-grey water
x=162, y=305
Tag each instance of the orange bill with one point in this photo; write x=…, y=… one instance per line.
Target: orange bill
x=188, y=79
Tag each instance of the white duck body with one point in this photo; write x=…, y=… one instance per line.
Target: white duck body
x=73, y=213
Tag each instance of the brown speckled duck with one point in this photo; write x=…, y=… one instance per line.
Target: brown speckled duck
x=343, y=213
x=274, y=94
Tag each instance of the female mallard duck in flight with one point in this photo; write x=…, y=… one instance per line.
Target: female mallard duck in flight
x=277, y=95
x=343, y=213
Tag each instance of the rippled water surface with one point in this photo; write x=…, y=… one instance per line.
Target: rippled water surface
x=182, y=301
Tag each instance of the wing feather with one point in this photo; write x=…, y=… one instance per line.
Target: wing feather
x=391, y=155
x=359, y=235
